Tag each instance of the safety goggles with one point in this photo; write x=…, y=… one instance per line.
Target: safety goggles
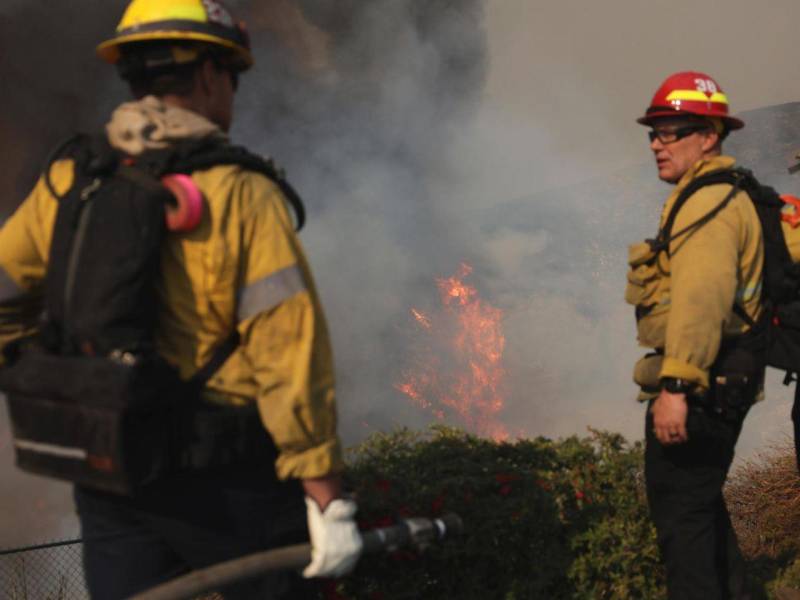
x=670, y=136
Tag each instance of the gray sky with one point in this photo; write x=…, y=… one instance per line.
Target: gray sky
x=585, y=70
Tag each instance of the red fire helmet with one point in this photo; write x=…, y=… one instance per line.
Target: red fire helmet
x=690, y=93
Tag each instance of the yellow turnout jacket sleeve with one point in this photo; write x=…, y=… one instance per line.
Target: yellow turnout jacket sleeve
x=711, y=268
x=24, y=246
x=285, y=339
x=244, y=267
x=706, y=271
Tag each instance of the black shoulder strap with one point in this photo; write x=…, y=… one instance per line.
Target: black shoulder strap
x=778, y=283
x=92, y=154
x=204, y=155
x=221, y=354
x=735, y=177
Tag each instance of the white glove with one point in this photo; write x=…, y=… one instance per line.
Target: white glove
x=335, y=540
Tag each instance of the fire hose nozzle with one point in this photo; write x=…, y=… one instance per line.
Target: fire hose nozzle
x=419, y=532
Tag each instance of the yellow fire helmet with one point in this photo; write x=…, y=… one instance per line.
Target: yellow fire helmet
x=204, y=21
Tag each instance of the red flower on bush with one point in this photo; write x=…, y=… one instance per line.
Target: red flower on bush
x=579, y=495
x=383, y=485
x=505, y=490
x=330, y=591
x=383, y=522
x=437, y=504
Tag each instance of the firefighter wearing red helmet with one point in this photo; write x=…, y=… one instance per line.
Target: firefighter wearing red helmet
x=696, y=290
x=690, y=93
x=238, y=282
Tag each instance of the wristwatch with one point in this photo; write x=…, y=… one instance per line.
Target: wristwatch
x=677, y=386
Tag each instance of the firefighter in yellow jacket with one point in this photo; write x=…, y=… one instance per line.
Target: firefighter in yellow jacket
x=243, y=267
x=696, y=288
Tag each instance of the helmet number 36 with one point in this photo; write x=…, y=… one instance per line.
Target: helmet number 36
x=706, y=86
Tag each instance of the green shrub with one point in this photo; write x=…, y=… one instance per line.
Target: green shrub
x=543, y=519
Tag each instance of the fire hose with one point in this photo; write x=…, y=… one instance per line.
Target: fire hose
x=419, y=532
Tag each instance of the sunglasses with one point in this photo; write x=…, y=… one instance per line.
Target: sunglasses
x=670, y=136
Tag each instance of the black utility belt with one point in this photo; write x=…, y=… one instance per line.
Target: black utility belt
x=728, y=396
x=120, y=427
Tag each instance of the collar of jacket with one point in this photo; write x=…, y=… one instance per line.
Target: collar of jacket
x=152, y=124
x=701, y=167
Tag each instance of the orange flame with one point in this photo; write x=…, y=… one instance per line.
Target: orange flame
x=421, y=318
x=459, y=371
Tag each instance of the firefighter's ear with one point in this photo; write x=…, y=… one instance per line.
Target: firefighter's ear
x=711, y=141
x=206, y=77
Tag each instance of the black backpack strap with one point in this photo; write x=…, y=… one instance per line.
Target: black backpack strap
x=735, y=177
x=740, y=312
x=778, y=283
x=93, y=157
x=221, y=354
x=204, y=155
x=66, y=149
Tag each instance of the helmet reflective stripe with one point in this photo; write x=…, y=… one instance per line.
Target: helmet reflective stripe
x=697, y=96
x=140, y=14
x=177, y=27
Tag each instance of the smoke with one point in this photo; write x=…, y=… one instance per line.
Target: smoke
x=407, y=177
x=367, y=141
x=53, y=84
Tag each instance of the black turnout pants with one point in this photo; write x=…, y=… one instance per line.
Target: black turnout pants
x=684, y=491
x=133, y=544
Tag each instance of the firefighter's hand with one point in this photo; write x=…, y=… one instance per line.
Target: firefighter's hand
x=669, y=418
x=335, y=540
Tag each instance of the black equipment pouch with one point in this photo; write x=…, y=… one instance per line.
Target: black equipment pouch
x=121, y=424
x=738, y=374
x=93, y=421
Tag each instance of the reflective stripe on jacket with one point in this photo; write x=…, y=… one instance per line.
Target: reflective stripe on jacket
x=242, y=267
x=685, y=298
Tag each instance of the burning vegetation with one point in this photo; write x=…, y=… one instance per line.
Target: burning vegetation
x=457, y=374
